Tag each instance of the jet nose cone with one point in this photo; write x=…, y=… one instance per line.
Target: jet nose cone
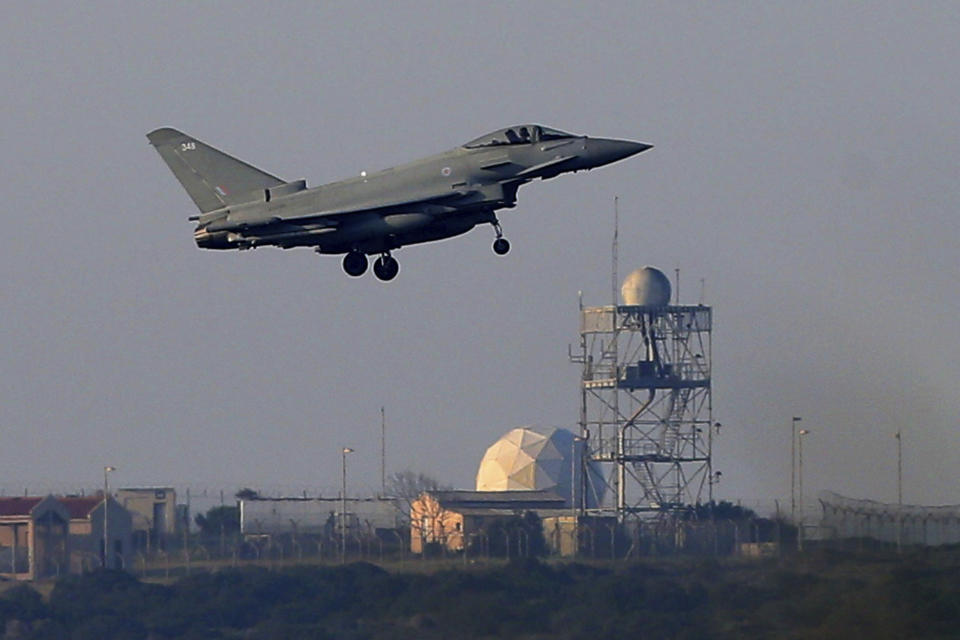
x=604, y=150
x=638, y=147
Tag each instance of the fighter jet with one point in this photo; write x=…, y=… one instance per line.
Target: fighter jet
x=444, y=195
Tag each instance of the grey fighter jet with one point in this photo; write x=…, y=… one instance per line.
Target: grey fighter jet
x=242, y=207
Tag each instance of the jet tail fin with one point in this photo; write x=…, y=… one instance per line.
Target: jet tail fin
x=211, y=178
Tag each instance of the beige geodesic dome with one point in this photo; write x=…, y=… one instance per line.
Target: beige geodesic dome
x=530, y=458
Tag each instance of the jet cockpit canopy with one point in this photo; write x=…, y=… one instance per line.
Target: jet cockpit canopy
x=520, y=134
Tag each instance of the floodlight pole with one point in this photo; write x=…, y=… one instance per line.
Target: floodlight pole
x=793, y=468
x=899, y=492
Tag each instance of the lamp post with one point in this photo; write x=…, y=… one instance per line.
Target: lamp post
x=802, y=433
x=793, y=468
x=343, y=505
x=383, y=452
x=106, y=521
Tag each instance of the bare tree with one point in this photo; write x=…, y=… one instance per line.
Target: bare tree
x=406, y=486
x=410, y=484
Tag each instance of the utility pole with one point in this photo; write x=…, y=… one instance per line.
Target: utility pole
x=802, y=433
x=186, y=534
x=383, y=452
x=222, y=518
x=343, y=505
x=106, y=521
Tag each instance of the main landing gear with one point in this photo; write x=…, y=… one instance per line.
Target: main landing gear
x=500, y=245
x=355, y=263
x=385, y=267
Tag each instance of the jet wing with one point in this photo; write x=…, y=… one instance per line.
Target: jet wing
x=375, y=205
x=327, y=217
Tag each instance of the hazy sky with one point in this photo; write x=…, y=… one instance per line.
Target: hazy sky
x=805, y=168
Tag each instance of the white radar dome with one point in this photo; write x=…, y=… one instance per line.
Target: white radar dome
x=646, y=287
x=535, y=459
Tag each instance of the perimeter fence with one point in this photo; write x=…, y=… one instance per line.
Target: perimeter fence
x=598, y=540
x=857, y=520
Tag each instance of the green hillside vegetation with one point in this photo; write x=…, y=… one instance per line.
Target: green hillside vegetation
x=819, y=595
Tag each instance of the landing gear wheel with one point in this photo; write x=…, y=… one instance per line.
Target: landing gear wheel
x=500, y=245
x=355, y=263
x=386, y=268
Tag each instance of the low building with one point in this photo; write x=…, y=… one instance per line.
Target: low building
x=34, y=540
x=154, y=512
x=451, y=518
x=87, y=522
x=562, y=534
x=569, y=535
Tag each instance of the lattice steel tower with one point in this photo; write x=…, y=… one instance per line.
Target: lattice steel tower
x=645, y=408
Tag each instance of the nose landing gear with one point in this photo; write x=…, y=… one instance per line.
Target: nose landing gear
x=500, y=245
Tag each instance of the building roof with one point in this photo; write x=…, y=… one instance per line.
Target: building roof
x=508, y=511
x=499, y=500
x=80, y=507
x=18, y=506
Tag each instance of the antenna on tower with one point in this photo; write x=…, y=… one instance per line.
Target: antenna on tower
x=616, y=230
x=677, y=283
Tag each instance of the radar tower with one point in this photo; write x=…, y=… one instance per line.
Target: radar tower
x=646, y=408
